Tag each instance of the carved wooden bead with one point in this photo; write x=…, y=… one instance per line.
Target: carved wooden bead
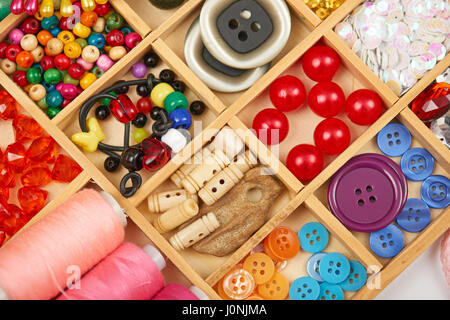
x=37, y=92
x=187, y=168
x=8, y=67
x=176, y=216
x=90, y=54
x=164, y=201
x=195, y=232
x=116, y=53
x=245, y=162
x=29, y=42
x=228, y=141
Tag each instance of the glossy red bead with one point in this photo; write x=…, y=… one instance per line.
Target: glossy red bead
x=20, y=78
x=26, y=128
x=36, y=175
x=62, y=62
x=47, y=62
x=15, y=155
x=123, y=109
x=3, y=46
x=64, y=23
x=144, y=105
x=287, y=93
x=102, y=9
x=8, y=106
x=76, y=71
x=320, y=63
x=364, y=107
x=12, y=51
x=65, y=169
x=32, y=199
x=6, y=175
x=305, y=162
x=271, y=126
x=115, y=38
x=31, y=25
x=65, y=103
x=332, y=136
x=156, y=154
x=326, y=99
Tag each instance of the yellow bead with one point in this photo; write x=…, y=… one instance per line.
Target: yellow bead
x=66, y=36
x=47, y=8
x=81, y=30
x=88, y=5
x=65, y=8
x=101, y=1
x=39, y=16
x=89, y=141
x=322, y=13
x=160, y=92
x=88, y=79
x=140, y=135
x=72, y=50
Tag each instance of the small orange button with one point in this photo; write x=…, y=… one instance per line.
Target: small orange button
x=238, y=284
x=282, y=244
x=255, y=296
x=276, y=288
x=260, y=266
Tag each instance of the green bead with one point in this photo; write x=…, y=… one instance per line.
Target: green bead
x=97, y=71
x=114, y=21
x=166, y=4
x=52, y=76
x=52, y=112
x=106, y=101
x=4, y=8
x=69, y=79
x=140, y=135
x=43, y=103
x=34, y=76
x=175, y=100
x=22, y=68
x=82, y=42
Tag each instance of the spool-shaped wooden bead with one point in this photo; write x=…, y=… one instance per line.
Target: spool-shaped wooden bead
x=164, y=201
x=228, y=141
x=176, y=216
x=245, y=161
x=187, y=168
x=195, y=232
x=200, y=176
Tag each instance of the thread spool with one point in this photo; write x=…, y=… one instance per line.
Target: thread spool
x=195, y=232
x=211, y=165
x=226, y=179
x=128, y=273
x=79, y=232
x=164, y=201
x=175, y=291
x=176, y=216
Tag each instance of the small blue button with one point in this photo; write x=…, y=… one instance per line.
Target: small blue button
x=312, y=266
x=387, y=242
x=435, y=192
x=394, y=139
x=334, y=268
x=356, y=279
x=305, y=288
x=417, y=164
x=330, y=291
x=415, y=216
x=313, y=237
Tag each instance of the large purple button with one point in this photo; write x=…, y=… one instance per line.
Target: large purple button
x=367, y=193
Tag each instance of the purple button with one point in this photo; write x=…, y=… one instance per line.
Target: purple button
x=368, y=192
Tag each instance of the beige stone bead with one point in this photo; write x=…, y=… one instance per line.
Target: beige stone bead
x=90, y=54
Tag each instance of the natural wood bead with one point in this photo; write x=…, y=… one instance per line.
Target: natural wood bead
x=90, y=54
x=116, y=53
x=37, y=92
x=195, y=232
x=29, y=42
x=38, y=53
x=176, y=216
x=55, y=46
x=99, y=26
x=187, y=168
x=228, y=141
x=200, y=176
x=8, y=66
x=164, y=201
x=245, y=161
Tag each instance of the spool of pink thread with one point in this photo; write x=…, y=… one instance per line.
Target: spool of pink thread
x=175, y=291
x=445, y=256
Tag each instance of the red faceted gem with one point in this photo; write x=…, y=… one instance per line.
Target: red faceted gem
x=4, y=193
x=6, y=176
x=4, y=210
x=32, y=199
x=2, y=236
x=15, y=220
x=43, y=149
x=26, y=128
x=156, y=154
x=65, y=169
x=15, y=155
x=37, y=175
x=8, y=106
x=432, y=103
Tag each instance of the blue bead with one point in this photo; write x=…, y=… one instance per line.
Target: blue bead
x=126, y=30
x=415, y=216
x=330, y=291
x=313, y=237
x=50, y=23
x=54, y=98
x=38, y=66
x=394, y=139
x=48, y=87
x=55, y=31
x=387, y=242
x=96, y=39
x=435, y=191
x=312, y=266
x=356, y=279
x=417, y=164
x=305, y=288
x=181, y=119
x=334, y=268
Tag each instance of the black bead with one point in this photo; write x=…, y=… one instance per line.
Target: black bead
x=142, y=90
x=167, y=76
x=132, y=159
x=140, y=120
x=156, y=81
x=160, y=128
x=157, y=113
x=111, y=164
x=178, y=85
x=151, y=59
x=102, y=112
x=122, y=89
x=197, y=108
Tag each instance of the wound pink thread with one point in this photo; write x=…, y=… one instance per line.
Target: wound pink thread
x=445, y=256
x=128, y=273
x=38, y=263
x=175, y=291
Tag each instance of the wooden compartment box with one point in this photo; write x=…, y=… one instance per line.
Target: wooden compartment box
x=164, y=32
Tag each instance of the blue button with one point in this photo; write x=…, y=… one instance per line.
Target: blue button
x=313, y=237
x=305, y=288
x=334, y=268
x=394, y=139
x=356, y=279
x=417, y=164
x=387, y=242
x=415, y=216
x=435, y=192
x=330, y=291
x=312, y=266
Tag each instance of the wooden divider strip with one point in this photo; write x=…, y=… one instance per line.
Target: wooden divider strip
x=133, y=19
x=304, y=13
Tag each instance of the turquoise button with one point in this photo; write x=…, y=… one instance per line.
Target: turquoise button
x=313, y=237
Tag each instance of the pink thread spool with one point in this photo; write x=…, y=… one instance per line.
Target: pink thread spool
x=104, y=62
x=445, y=256
x=175, y=291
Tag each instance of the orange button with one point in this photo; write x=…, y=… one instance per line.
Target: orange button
x=282, y=244
x=238, y=284
x=276, y=288
x=255, y=296
x=220, y=291
x=260, y=266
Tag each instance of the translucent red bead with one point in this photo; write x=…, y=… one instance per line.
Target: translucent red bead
x=26, y=128
x=8, y=106
x=65, y=169
x=43, y=150
x=15, y=155
x=37, y=175
x=32, y=199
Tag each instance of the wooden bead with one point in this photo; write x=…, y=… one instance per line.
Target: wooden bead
x=116, y=53
x=88, y=79
x=245, y=162
x=37, y=92
x=38, y=53
x=99, y=26
x=90, y=54
x=29, y=42
x=54, y=46
x=66, y=36
x=81, y=30
x=8, y=67
x=195, y=232
x=187, y=168
x=164, y=201
x=176, y=216
x=211, y=165
x=228, y=141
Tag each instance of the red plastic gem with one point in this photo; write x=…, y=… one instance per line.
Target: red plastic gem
x=430, y=105
x=4, y=210
x=123, y=109
x=65, y=169
x=15, y=155
x=8, y=106
x=32, y=199
x=6, y=175
x=38, y=175
x=43, y=149
x=4, y=193
x=15, y=220
x=157, y=154
x=26, y=128
x=2, y=236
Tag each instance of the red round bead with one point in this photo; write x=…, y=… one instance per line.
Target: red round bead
x=271, y=126
x=31, y=25
x=305, y=161
x=76, y=71
x=64, y=23
x=20, y=77
x=326, y=99
x=47, y=62
x=332, y=136
x=65, y=103
x=364, y=107
x=320, y=63
x=287, y=93
x=115, y=38
x=102, y=9
x=144, y=105
x=62, y=62
x=12, y=51
x=3, y=46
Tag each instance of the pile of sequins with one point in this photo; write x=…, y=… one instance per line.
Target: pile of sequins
x=400, y=40
x=323, y=8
